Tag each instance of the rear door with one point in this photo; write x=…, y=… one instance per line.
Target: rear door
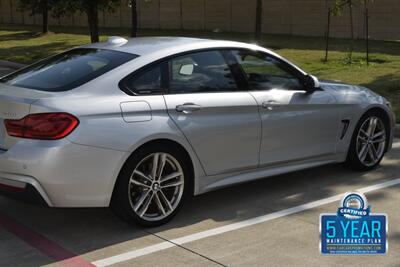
x=220, y=121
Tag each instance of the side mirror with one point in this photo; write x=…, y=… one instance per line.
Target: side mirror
x=186, y=70
x=311, y=83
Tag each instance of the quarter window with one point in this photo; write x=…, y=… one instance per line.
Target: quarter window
x=200, y=72
x=264, y=72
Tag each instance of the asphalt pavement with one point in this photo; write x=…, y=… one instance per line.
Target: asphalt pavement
x=270, y=222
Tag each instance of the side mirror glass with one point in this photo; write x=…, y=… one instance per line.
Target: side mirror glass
x=186, y=70
x=311, y=83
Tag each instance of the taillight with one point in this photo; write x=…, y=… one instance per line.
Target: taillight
x=43, y=126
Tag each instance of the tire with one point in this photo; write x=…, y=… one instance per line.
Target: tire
x=366, y=151
x=132, y=196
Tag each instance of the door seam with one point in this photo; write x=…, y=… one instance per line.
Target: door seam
x=187, y=140
x=261, y=129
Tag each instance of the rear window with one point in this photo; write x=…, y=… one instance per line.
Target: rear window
x=68, y=70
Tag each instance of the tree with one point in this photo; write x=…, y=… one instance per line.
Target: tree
x=90, y=8
x=134, y=27
x=38, y=7
x=258, y=19
x=337, y=10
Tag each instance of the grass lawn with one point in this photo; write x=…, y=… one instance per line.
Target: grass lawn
x=20, y=44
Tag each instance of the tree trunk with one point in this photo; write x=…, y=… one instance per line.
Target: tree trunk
x=134, y=29
x=93, y=20
x=45, y=14
x=351, y=31
x=258, y=20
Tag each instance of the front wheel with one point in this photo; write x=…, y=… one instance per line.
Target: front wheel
x=369, y=142
x=152, y=186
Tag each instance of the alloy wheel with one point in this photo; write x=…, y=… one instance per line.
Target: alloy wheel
x=156, y=186
x=371, y=141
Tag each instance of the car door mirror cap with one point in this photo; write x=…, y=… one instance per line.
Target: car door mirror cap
x=311, y=83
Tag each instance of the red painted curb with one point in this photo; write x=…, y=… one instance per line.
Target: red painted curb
x=43, y=244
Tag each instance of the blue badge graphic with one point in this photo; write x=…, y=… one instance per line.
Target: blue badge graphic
x=353, y=229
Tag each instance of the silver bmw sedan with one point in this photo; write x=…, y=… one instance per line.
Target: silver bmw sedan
x=142, y=124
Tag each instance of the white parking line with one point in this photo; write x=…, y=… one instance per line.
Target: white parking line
x=232, y=227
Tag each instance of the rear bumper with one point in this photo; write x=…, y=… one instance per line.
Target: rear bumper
x=24, y=191
x=64, y=174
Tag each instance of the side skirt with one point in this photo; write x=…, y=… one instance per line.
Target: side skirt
x=210, y=183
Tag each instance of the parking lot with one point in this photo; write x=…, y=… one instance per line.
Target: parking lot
x=270, y=222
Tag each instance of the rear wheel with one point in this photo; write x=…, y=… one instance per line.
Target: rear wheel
x=368, y=145
x=152, y=186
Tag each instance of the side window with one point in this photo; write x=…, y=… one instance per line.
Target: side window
x=145, y=82
x=200, y=72
x=264, y=72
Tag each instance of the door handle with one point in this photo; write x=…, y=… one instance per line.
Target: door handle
x=187, y=108
x=270, y=104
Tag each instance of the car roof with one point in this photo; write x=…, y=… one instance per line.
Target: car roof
x=148, y=45
x=154, y=48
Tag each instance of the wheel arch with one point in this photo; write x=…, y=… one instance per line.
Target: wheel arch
x=379, y=110
x=161, y=142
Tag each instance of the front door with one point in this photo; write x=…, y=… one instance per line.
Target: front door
x=296, y=125
x=221, y=122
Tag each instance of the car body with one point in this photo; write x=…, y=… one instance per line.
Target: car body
x=229, y=137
